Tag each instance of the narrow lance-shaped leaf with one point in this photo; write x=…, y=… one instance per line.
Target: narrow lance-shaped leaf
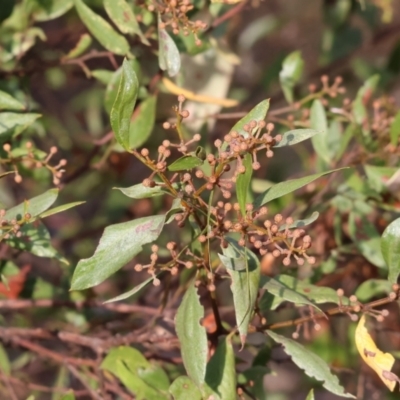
x=244, y=288
x=118, y=245
x=390, y=246
x=320, y=123
x=296, y=136
x=243, y=183
x=121, y=112
x=169, y=58
x=142, y=122
x=131, y=292
x=363, y=95
x=310, y=395
x=282, y=188
x=102, y=30
x=83, y=44
x=292, y=69
x=140, y=191
x=192, y=336
x=12, y=124
x=123, y=17
x=313, y=365
x=221, y=373
x=186, y=162
x=48, y=10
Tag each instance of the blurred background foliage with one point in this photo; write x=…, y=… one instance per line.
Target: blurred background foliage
x=239, y=58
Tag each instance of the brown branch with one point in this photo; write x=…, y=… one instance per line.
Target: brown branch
x=229, y=14
x=21, y=304
x=78, y=376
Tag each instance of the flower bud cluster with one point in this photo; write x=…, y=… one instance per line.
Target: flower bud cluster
x=11, y=227
x=30, y=158
x=174, y=15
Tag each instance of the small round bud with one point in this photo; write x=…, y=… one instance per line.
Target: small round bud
x=154, y=248
x=340, y=292
x=166, y=125
x=256, y=166
x=181, y=98
x=156, y=282
x=353, y=298
x=196, y=137
x=185, y=113
x=295, y=335
x=18, y=179
x=53, y=149
x=6, y=147
x=317, y=327
x=138, y=267
x=202, y=238
x=144, y=152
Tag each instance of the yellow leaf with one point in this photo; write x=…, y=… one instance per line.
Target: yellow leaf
x=380, y=362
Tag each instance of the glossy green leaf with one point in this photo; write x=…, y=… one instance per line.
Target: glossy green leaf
x=390, y=246
x=142, y=122
x=131, y=292
x=258, y=113
x=118, y=245
x=301, y=222
x=360, y=111
x=373, y=288
x=51, y=9
x=310, y=395
x=83, y=44
x=244, y=288
x=186, y=162
x=312, y=364
x=142, y=192
x=319, y=122
x=243, y=183
x=121, y=13
x=8, y=103
x=102, y=30
x=233, y=257
x=12, y=124
x=221, y=373
x=283, y=188
x=121, y=112
x=291, y=72
x=169, y=58
x=395, y=130
x=35, y=206
x=59, y=209
x=112, y=89
x=296, y=136
x=183, y=388
x=192, y=336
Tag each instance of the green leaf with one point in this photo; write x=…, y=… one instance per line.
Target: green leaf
x=372, y=288
x=221, y=374
x=310, y=395
x=319, y=122
x=12, y=124
x=5, y=365
x=313, y=365
x=135, y=372
x=7, y=102
x=121, y=13
x=118, y=245
x=243, y=183
x=51, y=9
x=360, y=111
x=169, y=58
x=183, y=388
x=186, y=162
x=301, y=222
x=112, y=89
x=233, y=257
x=192, y=336
x=296, y=136
x=291, y=72
x=390, y=246
x=279, y=289
x=244, y=287
x=131, y=292
x=102, y=30
x=35, y=206
x=36, y=240
x=142, y=192
x=377, y=175
x=124, y=103
x=258, y=113
x=59, y=209
x=83, y=44
x=68, y=396
x=104, y=76
x=395, y=130
x=142, y=122
x=282, y=188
